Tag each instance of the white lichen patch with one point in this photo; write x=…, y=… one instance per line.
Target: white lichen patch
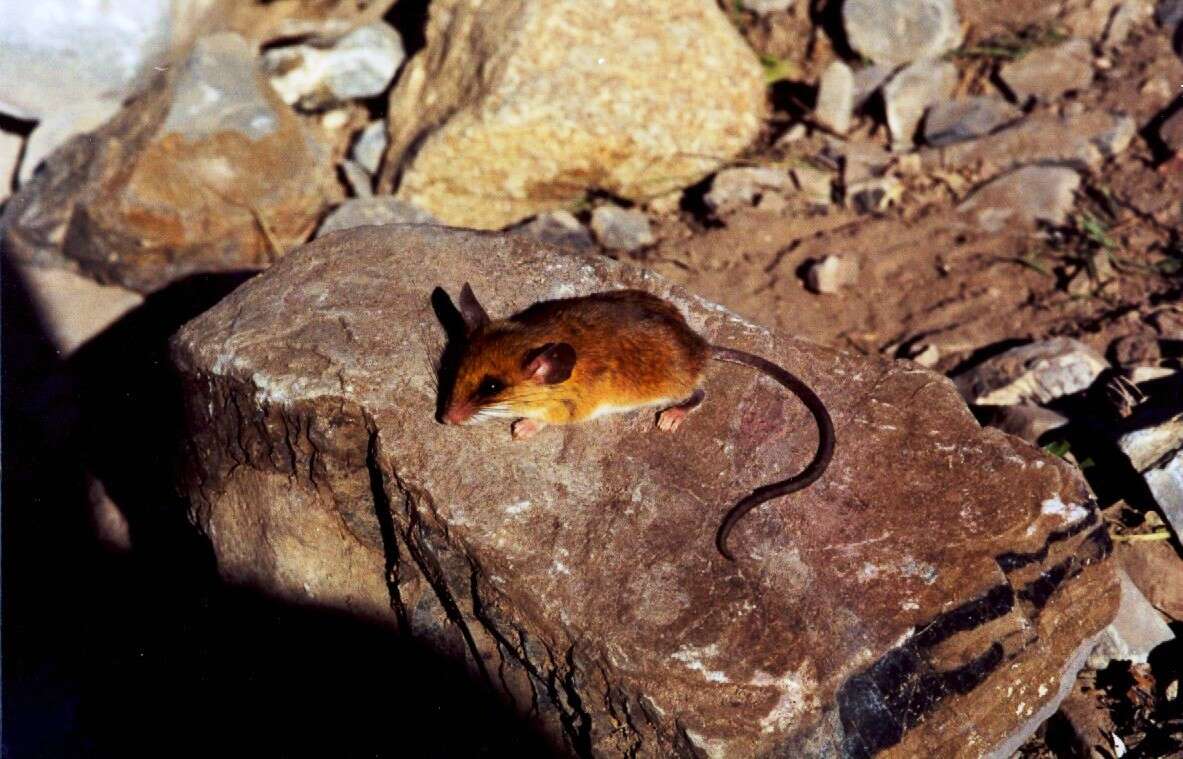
x=692, y=657
x=559, y=568
x=798, y=695
x=714, y=748
x=517, y=508
x=1070, y=513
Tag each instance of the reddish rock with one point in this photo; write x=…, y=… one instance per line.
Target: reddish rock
x=934, y=594
x=208, y=171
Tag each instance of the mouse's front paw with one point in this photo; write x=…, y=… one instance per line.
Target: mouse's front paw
x=524, y=429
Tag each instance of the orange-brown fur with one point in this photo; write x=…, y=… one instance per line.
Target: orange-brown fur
x=632, y=349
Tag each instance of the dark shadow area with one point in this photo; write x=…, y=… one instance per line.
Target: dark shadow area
x=456, y=332
x=145, y=652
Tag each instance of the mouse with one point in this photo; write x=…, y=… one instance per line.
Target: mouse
x=572, y=360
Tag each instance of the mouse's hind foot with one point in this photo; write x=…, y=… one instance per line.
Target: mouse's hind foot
x=524, y=429
x=670, y=419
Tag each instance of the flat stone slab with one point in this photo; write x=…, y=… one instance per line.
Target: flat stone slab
x=933, y=594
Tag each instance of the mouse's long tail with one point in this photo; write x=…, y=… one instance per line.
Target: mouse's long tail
x=821, y=459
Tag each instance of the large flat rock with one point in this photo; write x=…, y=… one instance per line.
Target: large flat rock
x=933, y=594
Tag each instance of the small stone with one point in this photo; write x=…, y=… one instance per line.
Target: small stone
x=765, y=7
x=359, y=65
x=359, y=181
x=1045, y=73
x=1153, y=444
x=10, y=153
x=1169, y=13
x=665, y=204
x=1024, y=196
x=559, y=228
x=952, y=121
x=831, y=274
x=744, y=186
x=1026, y=420
x=835, y=98
x=1117, y=138
x=370, y=145
x=874, y=195
x=909, y=94
x=619, y=228
x=868, y=80
x=1136, y=631
x=1171, y=132
x=382, y=209
x=1127, y=16
x=901, y=31
x=1139, y=349
x=817, y=186
x=1166, y=485
x=1038, y=372
x=1157, y=88
x=861, y=161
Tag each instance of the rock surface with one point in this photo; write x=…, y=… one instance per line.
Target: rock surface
x=1023, y=198
x=1046, y=73
x=1038, y=372
x=951, y=121
x=74, y=308
x=901, y=31
x=909, y=94
x=1137, y=629
x=207, y=171
x=516, y=107
x=383, y=209
x=835, y=97
x=370, y=145
x=576, y=572
x=619, y=228
x=743, y=186
x=359, y=65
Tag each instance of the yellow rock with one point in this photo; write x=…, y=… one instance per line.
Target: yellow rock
x=515, y=107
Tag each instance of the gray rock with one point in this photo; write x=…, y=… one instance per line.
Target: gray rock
x=1041, y=137
x=10, y=154
x=1038, y=372
x=585, y=555
x=59, y=53
x=952, y=121
x=1166, y=485
x=868, y=80
x=765, y=7
x=1117, y=138
x=1137, y=629
x=559, y=228
x=831, y=274
x=909, y=94
x=359, y=65
x=1169, y=13
x=370, y=145
x=1171, y=132
x=1024, y=196
x=216, y=92
x=359, y=180
x=902, y=30
x=1154, y=444
x=744, y=185
x=382, y=209
x=1045, y=73
x=835, y=98
x=816, y=185
x=619, y=228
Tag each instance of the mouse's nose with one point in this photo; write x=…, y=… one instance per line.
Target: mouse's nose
x=456, y=415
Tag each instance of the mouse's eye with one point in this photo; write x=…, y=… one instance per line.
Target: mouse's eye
x=489, y=387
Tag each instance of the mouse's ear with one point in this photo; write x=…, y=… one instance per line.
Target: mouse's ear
x=549, y=364
x=472, y=310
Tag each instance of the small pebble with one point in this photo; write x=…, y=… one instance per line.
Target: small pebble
x=831, y=274
x=835, y=98
x=619, y=228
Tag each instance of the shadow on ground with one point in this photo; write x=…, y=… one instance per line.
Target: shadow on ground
x=109, y=653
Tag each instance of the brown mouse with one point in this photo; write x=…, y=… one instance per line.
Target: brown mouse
x=574, y=359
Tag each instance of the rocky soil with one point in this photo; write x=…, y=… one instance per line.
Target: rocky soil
x=239, y=528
